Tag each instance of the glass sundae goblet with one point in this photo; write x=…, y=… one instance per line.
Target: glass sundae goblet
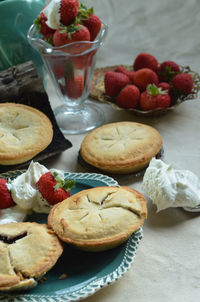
x=71, y=67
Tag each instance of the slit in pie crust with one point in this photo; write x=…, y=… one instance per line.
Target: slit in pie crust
x=27, y=251
x=122, y=147
x=24, y=132
x=100, y=218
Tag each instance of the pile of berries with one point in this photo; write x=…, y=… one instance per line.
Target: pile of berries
x=76, y=23
x=149, y=85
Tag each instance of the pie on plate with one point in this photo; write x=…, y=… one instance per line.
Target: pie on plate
x=100, y=218
x=24, y=132
x=27, y=251
x=122, y=147
x=86, y=272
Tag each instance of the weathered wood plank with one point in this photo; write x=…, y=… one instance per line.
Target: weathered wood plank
x=18, y=80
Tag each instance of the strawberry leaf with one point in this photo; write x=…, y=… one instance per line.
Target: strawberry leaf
x=49, y=39
x=66, y=184
x=56, y=187
x=69, y=184
x=70, y=30
x=152, y=89
x=63, y=29
x=169, y=74
x=37, y=22
x=83, y=13
x=55, y=174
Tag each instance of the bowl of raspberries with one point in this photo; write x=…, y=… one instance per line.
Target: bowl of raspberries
x=147, y=87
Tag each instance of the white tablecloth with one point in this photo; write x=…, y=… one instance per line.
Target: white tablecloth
x=167, y=265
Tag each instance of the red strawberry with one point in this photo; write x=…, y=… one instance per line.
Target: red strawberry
x=145, y=60
x=68, y=11
x=83, y=61
x=59, y=71
x=167, y=71
x=6, y=200
x=153, y=98
x=183, y=83
x=43, y=28
x=128, y=97
x=143, y=77
x=167, y=87
x=114, y=82
x=74, y=87
x=71, y=33
x=54, y=189
x=93, y=23
x=164, y=86
x=127, y=72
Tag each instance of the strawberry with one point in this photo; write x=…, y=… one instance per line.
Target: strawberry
x=6, y=200
x=83, y=61
x=43, y=28
x=93, y=23
x=169, y=89
x=114, y=82
x=54, y=189
x=167, y=71
x=127, y=72
x=153, y=98
x=164, y=86
x=143, y=77
x=68, y=11
x=145, y=60
x=128, y=97
x=183, y=83
x=74, y=87
x=71, y=33
x=59, y=71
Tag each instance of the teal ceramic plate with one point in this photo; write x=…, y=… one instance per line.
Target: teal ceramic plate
x=85, y=272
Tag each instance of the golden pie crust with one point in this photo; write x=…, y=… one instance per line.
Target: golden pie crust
x=100, y=218
x=27, y=251
x=122, y=147
x=24, y=132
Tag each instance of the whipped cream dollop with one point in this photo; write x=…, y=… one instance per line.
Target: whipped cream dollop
x=52, y=12
x=13, y=214
x=24, y=192
x=23, y=188
x=168, y=187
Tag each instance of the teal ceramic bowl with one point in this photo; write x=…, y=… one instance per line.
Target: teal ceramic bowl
x=16, y=16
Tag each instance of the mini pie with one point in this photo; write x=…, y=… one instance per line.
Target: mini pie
x=121, y=148
x=24, y=132
x=27, y=251
x=100, y=218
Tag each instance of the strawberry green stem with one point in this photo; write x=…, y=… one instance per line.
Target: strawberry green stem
x=66, y=184
x=83, y=13
x=153, y=90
